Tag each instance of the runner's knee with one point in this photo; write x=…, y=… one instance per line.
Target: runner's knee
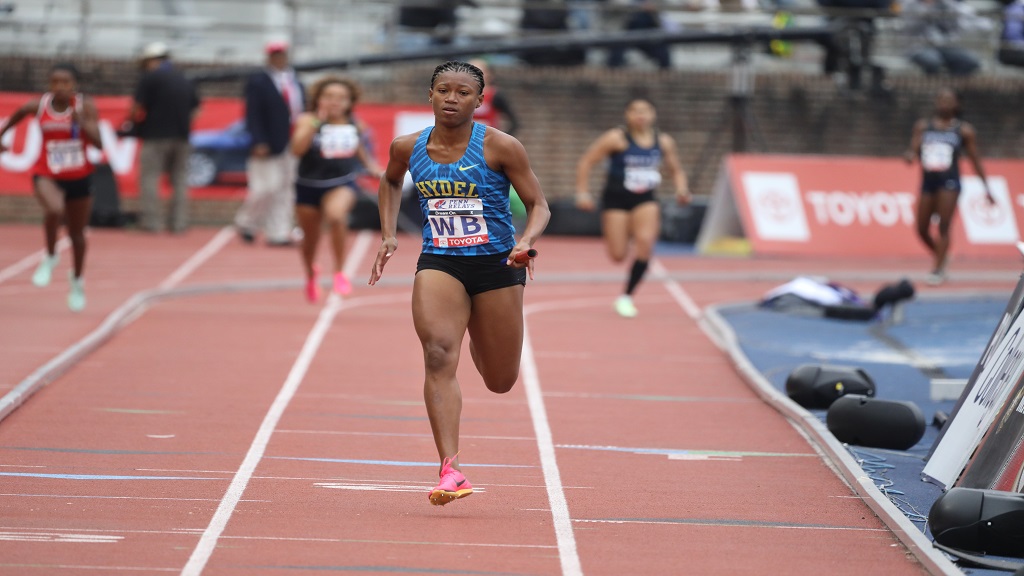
x=440, y=356
x=502, y=383
x=616, y=254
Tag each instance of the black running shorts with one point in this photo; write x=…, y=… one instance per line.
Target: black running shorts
x=73, y=189
x=477, y=273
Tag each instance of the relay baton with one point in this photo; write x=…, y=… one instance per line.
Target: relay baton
x=525, y=256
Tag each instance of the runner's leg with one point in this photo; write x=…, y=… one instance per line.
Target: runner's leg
x=441, y=312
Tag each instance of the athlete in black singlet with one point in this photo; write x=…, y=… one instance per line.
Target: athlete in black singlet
x=637, y=154
x=938, y=142
x=331, y=156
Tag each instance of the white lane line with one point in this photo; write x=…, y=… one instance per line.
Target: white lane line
x=94, y=497
x=208, y=541
x=731, y=524
x=678, y=294
x=124, y=314
x=196, y=260
x=422, y=435
x=566, y=540
x=59, y=537
x=101, y=569
x=30, y=261
x=445, y=544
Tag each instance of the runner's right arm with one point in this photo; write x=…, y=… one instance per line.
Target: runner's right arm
x=19, y=115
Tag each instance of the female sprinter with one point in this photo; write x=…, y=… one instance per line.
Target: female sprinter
x=938, y=142
x=62, y=177
x=331, y=154
x=468, y=277
x=629, y=211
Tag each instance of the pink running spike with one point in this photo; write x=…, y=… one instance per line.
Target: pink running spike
x=453, y=485
x=341, y=284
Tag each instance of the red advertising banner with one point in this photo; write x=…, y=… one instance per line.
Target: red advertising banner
x=219, y=141
x=858, y=206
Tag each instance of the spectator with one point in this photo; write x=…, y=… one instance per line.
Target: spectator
x=935, y=26
x=273, y=100
x=549, y=17
x=434, y=21
x=495, y=109
x=1011, y=46
x=644, y=17
x=584, y=14
x=162, y=112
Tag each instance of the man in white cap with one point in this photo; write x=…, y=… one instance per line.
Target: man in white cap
x=273, y=100
x=163, y=109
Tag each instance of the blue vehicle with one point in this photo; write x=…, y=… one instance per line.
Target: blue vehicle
x=219, y=156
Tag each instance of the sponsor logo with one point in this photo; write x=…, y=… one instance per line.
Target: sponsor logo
x=846, y=208
x=775, y=206
x=464, y=168
x=984, y=222
x=461, y=242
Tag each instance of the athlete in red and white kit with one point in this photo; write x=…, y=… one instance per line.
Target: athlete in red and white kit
x=62, y=177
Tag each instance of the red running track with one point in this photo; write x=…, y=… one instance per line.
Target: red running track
x=205, y=420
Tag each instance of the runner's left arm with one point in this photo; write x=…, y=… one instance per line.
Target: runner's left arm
x=511, y=156
x=89, y=122
x=17, y=117
x=675, y=169
x=971, y=148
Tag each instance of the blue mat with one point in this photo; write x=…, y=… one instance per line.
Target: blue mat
x=934, y=338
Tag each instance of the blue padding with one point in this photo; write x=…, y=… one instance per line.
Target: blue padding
x=936, y=338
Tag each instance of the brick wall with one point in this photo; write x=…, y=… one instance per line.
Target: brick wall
x=563, y=109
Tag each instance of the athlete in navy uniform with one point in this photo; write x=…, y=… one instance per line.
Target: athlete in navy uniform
x=938, y=143
x=637, y=153
x=467, y=277
x=332, y=155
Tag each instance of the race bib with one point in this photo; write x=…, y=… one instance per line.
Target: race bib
x=457, y=222
x=64, y=155
x=640, y=179
x=936, y=156
x=339, y=141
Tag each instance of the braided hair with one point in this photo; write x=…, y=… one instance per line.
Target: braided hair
x=459, y=66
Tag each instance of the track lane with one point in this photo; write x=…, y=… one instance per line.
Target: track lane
x=147, y=401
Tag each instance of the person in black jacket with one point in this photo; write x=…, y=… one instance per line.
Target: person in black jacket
x=164, y=106
x=273, y=100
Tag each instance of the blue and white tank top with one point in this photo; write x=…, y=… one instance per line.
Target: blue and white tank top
x=635, y=170
x=464, y=204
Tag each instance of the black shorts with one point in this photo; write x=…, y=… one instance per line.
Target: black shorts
x=73, y=189
x=625, y=200
x=477, y=273
x=933, y=183
x=314, y=196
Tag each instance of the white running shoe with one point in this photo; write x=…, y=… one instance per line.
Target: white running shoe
x=76, y=296
x=625, y=307
x=44, y=271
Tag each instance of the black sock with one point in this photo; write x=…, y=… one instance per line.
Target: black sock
x=636, y=273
